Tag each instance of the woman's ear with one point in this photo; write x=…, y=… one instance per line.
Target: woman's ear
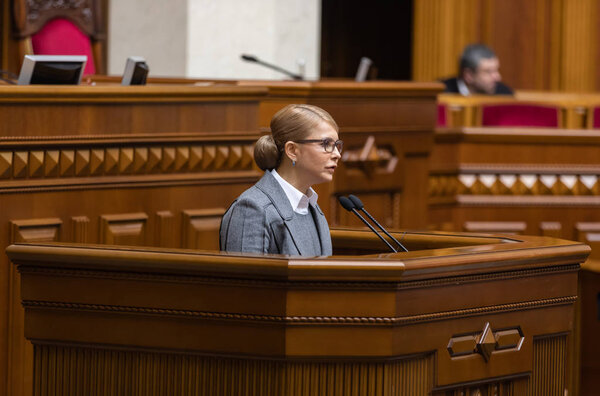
x=291, y=150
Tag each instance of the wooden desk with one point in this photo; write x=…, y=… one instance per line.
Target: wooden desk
x=526, y=181
x=157, y=165
x=141, y=321
x=149, y=166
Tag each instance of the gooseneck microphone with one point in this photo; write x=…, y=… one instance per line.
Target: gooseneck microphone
x=252, y=58
x=349, y=206
x=359, y=205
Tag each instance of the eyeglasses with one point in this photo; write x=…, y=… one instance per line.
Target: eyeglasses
x=328, y=144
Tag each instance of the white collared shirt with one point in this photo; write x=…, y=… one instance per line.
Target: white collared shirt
x=298, y=200
x=462, y=87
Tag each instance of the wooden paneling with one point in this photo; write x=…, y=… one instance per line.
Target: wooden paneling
x=83, y=159
x=163, y=231
x=549, y=362
x=201, y=228
x=213, y=323
x=441, y=30
x=144, y=373
x=546, y=180
x=109, y=109
x=20, y=352
x=35, y=230
x=80, y=229
x=91, y=156
x=541, y=44
x=123, y=229
x=589, y=307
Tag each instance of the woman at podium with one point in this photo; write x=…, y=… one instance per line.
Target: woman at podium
x=280, y=214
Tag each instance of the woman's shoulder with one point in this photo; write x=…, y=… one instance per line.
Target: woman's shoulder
x=253, y=197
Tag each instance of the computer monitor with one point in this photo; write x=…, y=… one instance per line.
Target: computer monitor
x=136, y=71
x=52, y=69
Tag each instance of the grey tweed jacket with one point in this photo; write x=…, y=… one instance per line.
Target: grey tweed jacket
x=261, y=220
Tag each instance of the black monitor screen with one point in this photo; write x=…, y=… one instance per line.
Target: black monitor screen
x=140, y=73
x=56, y=72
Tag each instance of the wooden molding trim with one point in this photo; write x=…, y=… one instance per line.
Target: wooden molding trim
x=306, y=320
x=127, y=159
x=302, y=285
x=134, y=94
x=524, y=185
x=42, y=164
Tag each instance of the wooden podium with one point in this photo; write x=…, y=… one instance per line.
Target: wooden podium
x=459, y=314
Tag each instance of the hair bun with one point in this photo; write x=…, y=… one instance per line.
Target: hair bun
x=266, y=154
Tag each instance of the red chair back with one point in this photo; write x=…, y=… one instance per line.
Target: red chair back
x=596, y=118
x=441, y=115
x=61, y=37
x=519, y=114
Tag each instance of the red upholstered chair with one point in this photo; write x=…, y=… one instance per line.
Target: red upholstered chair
x=520, y=114
x=441, y=115
x=62, y=28
x=61, y=37
x=596, y=119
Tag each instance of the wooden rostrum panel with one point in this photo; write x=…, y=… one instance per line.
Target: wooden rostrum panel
x=240, y=324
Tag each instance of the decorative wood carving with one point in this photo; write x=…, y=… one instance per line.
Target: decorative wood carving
x=371, y=159
x=459, y=342
x=486, y=342
x=199, y=228
x=122, y=158
x=123, y=229
x=35, y=230
x=32, y=15
x=127, y=159
x=502, y=183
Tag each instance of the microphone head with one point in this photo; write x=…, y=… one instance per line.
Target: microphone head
x=346, y=203
x=249, y=58
x=357, y=202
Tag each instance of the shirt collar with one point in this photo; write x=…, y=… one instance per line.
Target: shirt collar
x=298, y=200
x=462, y=87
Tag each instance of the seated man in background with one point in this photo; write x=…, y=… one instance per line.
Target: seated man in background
x=479, y=73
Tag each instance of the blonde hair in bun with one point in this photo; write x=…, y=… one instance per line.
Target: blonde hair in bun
x=293, y=122
x=266, y=154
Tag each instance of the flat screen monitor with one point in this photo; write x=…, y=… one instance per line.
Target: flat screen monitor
x=52, y=69
x=136, y=71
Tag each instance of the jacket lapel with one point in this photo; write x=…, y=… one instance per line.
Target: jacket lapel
x=323, y=228
x=273, y=190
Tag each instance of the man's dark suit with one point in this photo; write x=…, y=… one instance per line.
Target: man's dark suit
x=452, y=87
